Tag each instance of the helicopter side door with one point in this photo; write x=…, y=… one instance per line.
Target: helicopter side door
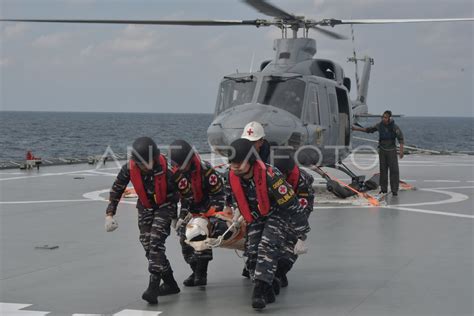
x=344, y=117
x=311, y=115
x=328, y=116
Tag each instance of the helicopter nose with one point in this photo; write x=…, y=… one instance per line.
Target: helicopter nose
x=229, y=125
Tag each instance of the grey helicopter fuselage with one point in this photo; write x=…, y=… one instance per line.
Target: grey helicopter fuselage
x=300, y=101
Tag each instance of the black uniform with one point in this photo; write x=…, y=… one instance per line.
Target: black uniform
x=154, y=223
x=388, y=159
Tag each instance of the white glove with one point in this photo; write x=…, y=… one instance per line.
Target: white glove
x=178, y=224
x=236, y=216
x=174, y=221
x=300, y=248
x=110, y=224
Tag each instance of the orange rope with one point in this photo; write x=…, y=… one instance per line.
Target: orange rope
x=406, y=186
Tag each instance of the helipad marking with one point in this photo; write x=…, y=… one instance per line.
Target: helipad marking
x=15, y=309
x=127, y=312
x=446, y=188
x=44, y=201
x=11, y=309
x=55, y=174
x=454, y=198
x=430, y=212
x=104, y=173
x=448, y=181
x=95, y=196
x=134, y=312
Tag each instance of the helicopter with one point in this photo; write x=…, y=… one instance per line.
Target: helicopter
x=302, y=102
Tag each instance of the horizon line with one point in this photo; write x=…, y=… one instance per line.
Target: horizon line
x=208, y=113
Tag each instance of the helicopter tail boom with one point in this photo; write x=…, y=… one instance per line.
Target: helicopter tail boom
x=364, y=83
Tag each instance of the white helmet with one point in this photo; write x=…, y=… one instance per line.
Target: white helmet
x=197, y=227
x=253, y=131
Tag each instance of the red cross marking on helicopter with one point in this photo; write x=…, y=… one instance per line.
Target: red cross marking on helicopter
x=249, y=131
x=213, y=179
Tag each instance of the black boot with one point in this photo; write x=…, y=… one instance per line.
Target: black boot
x=169, y=285
x=200, y=277
x=283, y=280
x=246, y=273
x=190, y=280
x=282, y=269
x=270, y=295
x=259, y=294
x=276, y=284
x=151, y=293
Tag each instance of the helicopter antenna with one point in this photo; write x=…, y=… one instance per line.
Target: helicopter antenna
x=251, y=63
x=354, y=58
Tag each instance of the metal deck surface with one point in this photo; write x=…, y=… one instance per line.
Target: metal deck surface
x=413, y=256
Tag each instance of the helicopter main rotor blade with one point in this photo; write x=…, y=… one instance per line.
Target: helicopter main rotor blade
x=330, y=34
x=149, y=22
x=269, y=9
x=333, y=22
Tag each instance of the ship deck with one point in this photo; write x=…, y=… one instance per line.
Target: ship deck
x=413, y=255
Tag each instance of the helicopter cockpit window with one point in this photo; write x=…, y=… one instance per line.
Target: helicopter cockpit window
x=284, y=93
x=235, y=91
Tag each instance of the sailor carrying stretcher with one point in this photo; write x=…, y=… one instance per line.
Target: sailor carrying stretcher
x=200, y=189
x=268, y=204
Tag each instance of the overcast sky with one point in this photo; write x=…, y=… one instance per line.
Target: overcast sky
x=420, y=69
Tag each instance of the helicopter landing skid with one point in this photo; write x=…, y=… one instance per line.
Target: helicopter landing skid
x=333, y=185
x=355, y=179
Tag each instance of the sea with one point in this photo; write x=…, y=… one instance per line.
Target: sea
x=82, y=134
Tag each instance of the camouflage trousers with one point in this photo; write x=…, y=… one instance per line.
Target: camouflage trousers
x=190, y=255
x=266, y=240
x=154, y=226
x=288, y=256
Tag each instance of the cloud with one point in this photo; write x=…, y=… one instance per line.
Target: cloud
x=5, y=62
x=54, y=40
x=87, y=51
x=80, y=2
x=136, y=60
x=133, y=39
x=15, y=30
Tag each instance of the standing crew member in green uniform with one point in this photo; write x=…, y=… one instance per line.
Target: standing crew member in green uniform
x=388, y=133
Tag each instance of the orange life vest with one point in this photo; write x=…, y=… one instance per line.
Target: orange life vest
x=293, y=177
x=260, y=178
x=160, y=183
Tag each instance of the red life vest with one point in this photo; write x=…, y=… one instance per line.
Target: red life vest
x=196, y=180
x=260, y=178
x=160, y=183
x=293, y=177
